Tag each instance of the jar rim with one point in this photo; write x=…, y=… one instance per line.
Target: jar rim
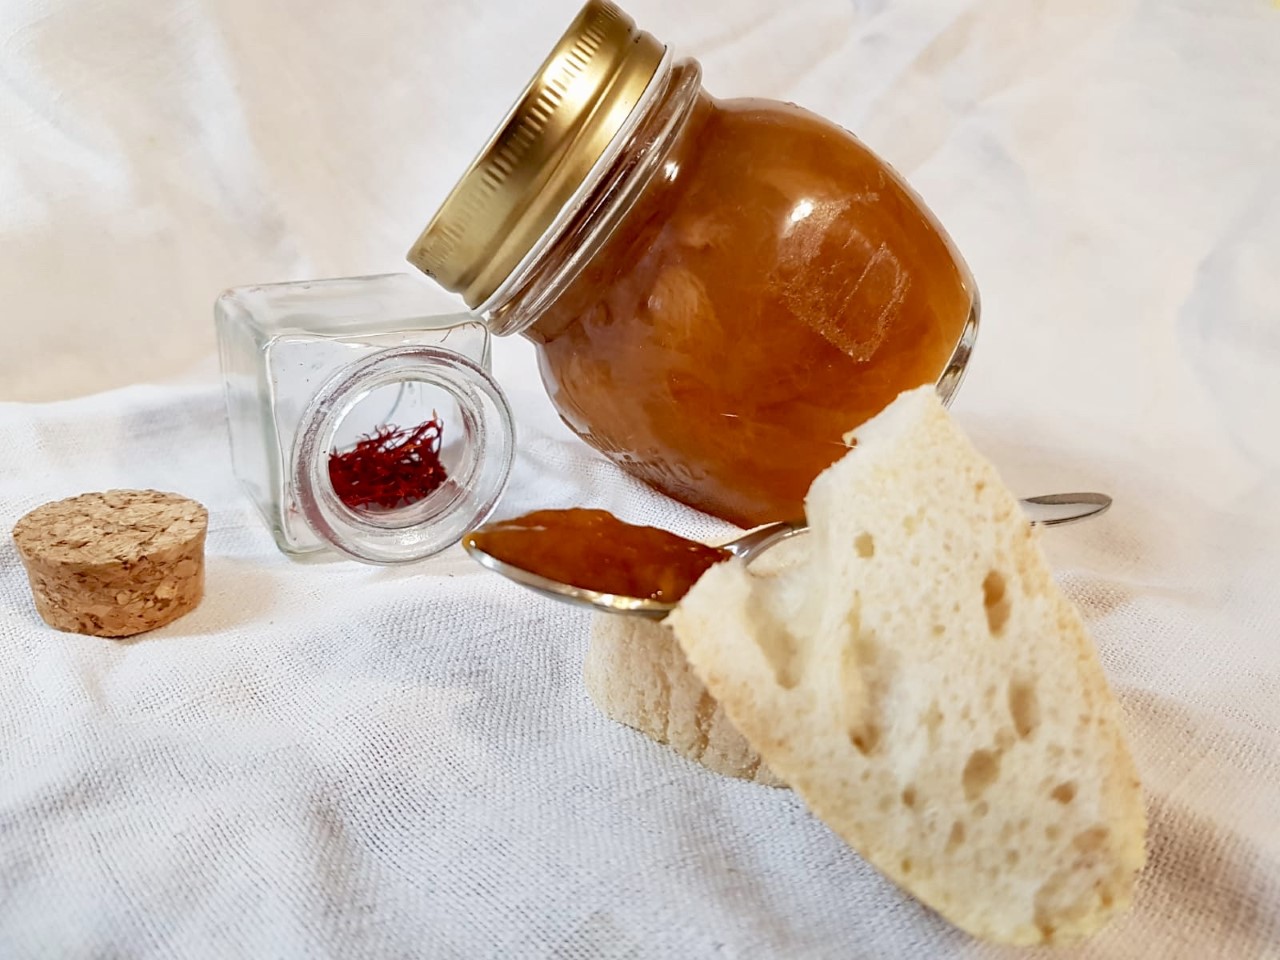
x=438, y=521
x=612, y=186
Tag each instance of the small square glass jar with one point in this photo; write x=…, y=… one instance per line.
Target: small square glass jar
x=310, y=368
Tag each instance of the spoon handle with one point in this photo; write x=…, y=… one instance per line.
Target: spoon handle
x=751, y=545
x=1047, y=510
x=1056, y=509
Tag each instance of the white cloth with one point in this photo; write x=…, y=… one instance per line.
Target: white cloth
x=331, y=760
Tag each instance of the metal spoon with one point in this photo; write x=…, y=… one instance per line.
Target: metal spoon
x=1050, y=510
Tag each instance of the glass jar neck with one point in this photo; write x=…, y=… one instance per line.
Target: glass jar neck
x=606, y=196
x=468, y=492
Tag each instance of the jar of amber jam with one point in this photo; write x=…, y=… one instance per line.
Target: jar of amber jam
x=718, y=290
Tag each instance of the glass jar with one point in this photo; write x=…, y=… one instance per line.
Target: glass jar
x=361, y=422
x=719, y=291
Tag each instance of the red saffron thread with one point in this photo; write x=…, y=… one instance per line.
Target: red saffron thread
x=391, y=467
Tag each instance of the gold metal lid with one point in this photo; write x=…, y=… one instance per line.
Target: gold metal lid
x=561, y=125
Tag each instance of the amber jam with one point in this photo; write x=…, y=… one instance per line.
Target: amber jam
x=594, y=550
x=773, y=285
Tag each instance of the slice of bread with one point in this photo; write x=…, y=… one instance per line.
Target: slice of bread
x=637, y=674
x=922, y=683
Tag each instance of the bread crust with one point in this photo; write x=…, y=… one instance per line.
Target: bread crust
x=636, y=673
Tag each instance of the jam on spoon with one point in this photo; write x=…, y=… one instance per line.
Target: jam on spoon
x=594, y=550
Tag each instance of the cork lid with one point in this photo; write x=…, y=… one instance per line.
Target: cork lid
x=116, y=563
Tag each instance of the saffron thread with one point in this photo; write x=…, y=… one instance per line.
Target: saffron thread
x=390, y=467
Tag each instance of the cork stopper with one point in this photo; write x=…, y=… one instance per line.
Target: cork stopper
x=114, y=564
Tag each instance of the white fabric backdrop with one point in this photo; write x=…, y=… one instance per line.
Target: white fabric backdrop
x=326, y=759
